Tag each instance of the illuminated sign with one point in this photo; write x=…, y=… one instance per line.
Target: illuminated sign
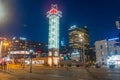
x=53, y=11
x=22, y=38
x=1, y=38
x=113, y=60
x=113, y=39
x=19, y=52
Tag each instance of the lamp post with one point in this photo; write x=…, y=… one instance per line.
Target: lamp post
x=25, y=53
x=81, y=40
x=31, y=55
x=3, y=12
x=1, y=45
x=82, y=49
x=5, y=44
x=84, y=54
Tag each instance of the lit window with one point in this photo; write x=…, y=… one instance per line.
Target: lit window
x=50, y=53
x=16, y=41
x=56, y=53
x=102, y=53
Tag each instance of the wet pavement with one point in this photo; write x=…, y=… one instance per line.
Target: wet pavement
x=53, y=74
x=105, y=73
x=5, y=76
x=49, y=73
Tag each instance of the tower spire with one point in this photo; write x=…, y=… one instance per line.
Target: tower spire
x=54, y=6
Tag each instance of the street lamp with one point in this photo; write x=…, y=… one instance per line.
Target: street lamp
x=31, y=55
x=1, y=45
x=5, y=46
x=82, y=47
x=5, y=43
x=3, y=12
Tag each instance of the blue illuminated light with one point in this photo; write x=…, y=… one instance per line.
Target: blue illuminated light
x=113, y=39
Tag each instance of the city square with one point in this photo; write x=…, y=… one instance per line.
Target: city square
x=55, y=73
x=59, y=40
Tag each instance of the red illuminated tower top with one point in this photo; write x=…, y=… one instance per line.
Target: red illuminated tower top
x=54, y=11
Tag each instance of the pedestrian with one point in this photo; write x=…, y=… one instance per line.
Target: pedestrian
x=4, y=65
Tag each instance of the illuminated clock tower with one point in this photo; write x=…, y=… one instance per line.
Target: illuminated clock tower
x=54, y=16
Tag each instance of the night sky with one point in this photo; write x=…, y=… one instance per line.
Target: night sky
x=27, y=18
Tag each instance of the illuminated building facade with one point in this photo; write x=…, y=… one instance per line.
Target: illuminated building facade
x=18, y=44
x=107, y=51
x=78, y=41
x=54, y=16
x=18, y=48
x=21, y=46
x=41, y=49
x=101, y=49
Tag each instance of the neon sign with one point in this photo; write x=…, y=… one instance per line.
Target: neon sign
x=53, y=11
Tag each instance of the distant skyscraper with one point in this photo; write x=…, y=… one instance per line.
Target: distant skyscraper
x=53, y=45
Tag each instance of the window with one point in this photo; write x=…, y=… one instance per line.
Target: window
x=116, y=52
x=20, y=43
x=102, y=53
x=101, y=46
x=23, y=46
x=50, y=53
x=56, y=53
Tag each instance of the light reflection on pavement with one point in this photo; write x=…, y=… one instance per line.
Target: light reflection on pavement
x=41, y=73
x=106, y=74
x=4, y=76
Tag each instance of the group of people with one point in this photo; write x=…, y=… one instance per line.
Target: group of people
x=4, y=64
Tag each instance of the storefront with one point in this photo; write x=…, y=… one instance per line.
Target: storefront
x=113, y=60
